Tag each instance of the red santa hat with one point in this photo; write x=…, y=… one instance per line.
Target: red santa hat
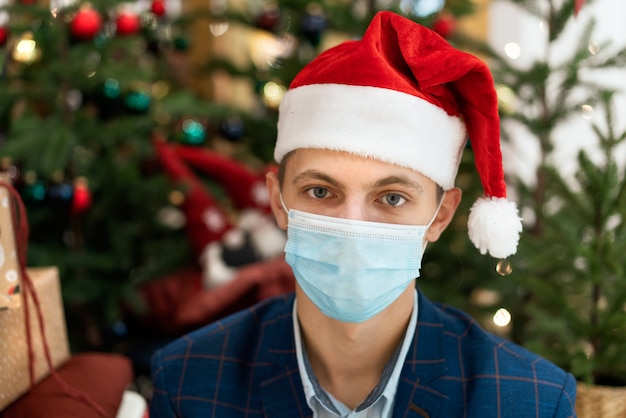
x=206, y=220
x=246, y=188
x=404, y=95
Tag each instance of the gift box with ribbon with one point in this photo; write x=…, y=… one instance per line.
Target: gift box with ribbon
x=33, y=333
x=34, y=343
x=22, y=345
x=10, y=297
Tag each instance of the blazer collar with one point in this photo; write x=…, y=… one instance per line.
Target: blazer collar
x=425, y=362
x=281, y=384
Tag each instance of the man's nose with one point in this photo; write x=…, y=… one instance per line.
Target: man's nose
x=354, y=209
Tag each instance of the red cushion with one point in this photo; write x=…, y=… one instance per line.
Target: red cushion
x=103, y=377
x=178, y=303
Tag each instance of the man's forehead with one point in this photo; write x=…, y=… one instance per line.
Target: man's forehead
x=319, y=163
x=313, y=155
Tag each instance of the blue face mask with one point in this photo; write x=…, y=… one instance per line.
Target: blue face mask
x=352, y=270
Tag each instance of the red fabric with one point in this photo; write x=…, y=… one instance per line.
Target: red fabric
x=104, y=377
x=240, y=183
x=398, y=54
x=178, y=303
x=206, y=220
x=578, y=4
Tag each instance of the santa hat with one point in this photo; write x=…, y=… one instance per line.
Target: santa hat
x=206, y=220
x=245, y=188
x=404, y=95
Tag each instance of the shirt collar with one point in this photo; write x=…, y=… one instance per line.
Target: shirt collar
x=385, y=389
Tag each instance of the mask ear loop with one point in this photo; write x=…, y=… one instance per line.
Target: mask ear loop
x=443, y=195
x=282, y=202
x=425, y=244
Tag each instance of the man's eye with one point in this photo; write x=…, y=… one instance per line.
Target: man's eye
x=318, y=192
x=393, y=199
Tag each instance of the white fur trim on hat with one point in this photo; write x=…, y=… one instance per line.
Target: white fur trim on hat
x=375, y=122
x=494, y=226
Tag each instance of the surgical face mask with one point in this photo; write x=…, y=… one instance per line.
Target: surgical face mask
x=352, y=270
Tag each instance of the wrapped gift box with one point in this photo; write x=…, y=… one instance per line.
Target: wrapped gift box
x=9, y=263
x=14, y=353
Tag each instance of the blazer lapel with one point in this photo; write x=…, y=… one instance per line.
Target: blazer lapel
x=425, y=362
x=280, y=384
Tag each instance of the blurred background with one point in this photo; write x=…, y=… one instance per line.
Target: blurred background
x=138, y=134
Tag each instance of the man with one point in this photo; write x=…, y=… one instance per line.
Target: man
x=369, y=141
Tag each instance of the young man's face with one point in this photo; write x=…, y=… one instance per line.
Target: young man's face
x=342, y=185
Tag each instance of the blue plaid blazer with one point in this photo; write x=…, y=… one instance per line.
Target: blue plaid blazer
x=245, y=366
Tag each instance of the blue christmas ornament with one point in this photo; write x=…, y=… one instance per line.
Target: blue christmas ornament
x=60, y=192
x=35, y=191
x=232, y=128
x=193, y=132
x=111, y=88
x=138, y=101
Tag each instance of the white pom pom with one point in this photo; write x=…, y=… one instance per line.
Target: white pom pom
x=494, y=226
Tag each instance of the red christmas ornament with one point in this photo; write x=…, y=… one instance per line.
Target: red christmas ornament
x=28, y=1
x=86, y=24
x=4, y=35
x=445, y=25
x=269, y=18
x=81, y=200
x=158, y=7
x=128, y=23
x=578, y=4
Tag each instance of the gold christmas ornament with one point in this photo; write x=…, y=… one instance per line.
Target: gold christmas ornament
x=504, y=268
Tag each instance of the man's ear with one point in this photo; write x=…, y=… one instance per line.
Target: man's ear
x=450, y=203
x=273, y=188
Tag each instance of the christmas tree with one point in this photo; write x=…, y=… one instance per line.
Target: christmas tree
x=565, y=292
x=84, y=88
x=88, y=85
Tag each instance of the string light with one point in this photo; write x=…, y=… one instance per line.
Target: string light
x=586, y=111
x=512, y=50
x=26, y=50
x=219, y=29
x=160, y=89
x=176, y=197
x=273, y=94
x=266, y=49
x=506, y=98
x=484, y=297
x=171, y=217
x=502, y=317
x=58, y=5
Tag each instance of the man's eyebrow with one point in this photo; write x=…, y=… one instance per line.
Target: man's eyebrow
x=309, y=175
x=399, y=180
